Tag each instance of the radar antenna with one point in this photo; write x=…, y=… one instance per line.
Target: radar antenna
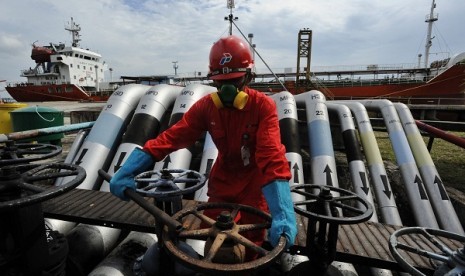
x=74, y=29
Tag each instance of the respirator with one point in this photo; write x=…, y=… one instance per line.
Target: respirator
x=230, y=96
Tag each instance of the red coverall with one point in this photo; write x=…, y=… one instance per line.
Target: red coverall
x=256, y=126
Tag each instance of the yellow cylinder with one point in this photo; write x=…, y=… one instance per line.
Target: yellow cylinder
x=5, y=119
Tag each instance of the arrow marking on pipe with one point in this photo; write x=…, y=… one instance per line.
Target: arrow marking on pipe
x=329, y=180
x=209, y=167
x=365, y=187
x=83, y=152
x=296, y=173
x=386, y=191
x=120, y=161
x=441, y=188
x=166, y=162
x=421, y=188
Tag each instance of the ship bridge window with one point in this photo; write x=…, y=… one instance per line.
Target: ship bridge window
x=76, y=55
x=59, y=58
x=86, y=57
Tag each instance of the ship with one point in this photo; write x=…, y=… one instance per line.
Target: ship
x=438, y=82
x=63, y=73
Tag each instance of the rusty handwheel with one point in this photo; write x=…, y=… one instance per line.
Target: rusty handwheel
x=20, y=153
x=322, y=205
x=221, y=231
x=19, y=189
x=440, y=254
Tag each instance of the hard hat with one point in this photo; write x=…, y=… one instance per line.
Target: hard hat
x=230, y=58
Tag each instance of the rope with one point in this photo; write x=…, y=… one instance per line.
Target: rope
x=37, y=111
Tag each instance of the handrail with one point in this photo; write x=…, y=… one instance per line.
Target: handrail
x=454, y=139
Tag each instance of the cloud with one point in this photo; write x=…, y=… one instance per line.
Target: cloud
x=145, y=37
x=10, y=45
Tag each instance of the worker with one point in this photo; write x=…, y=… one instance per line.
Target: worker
x=251, y=167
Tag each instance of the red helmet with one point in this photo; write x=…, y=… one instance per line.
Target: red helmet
x=230, y=58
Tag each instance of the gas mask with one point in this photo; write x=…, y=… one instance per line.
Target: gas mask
x=230, y=96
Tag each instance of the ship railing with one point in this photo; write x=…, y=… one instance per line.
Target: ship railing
x=290, y=72
x=368, y=82
x=7, y=100
x=450, y=102
x=361, y=67
x=33, y=72
x=27, y=72
x=101, y=92
x=344, y=68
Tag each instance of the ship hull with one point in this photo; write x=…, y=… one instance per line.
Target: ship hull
x=446, y=88
x=51, y=92
x=448, y=85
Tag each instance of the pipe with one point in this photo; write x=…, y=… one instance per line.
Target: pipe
x=417, y=195
x=77, y=143
x=440, y=201
x=96, y=150
x=44, y=131
x=119, y=262
x=145, y=124
x=379, y=180
x=356, y=166
x=358, y=173
x=323, y=163
x=89, y=244
x=66, y=227
x=289, y=130
x=189, y=95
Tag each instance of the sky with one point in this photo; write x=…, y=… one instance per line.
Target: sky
x=145, y=37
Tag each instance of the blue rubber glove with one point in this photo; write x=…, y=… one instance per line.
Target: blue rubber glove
x=278, y=196
x=138, y=162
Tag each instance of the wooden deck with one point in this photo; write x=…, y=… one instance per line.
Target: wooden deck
x=364, y=243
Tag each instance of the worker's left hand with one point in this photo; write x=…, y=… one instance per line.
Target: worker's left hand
x=278, y=196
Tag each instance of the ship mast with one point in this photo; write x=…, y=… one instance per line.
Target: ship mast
x=230, y=17
x=74, y=29
x=430, y=18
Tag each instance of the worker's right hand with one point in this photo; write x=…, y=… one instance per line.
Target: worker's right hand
x=138, y=162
